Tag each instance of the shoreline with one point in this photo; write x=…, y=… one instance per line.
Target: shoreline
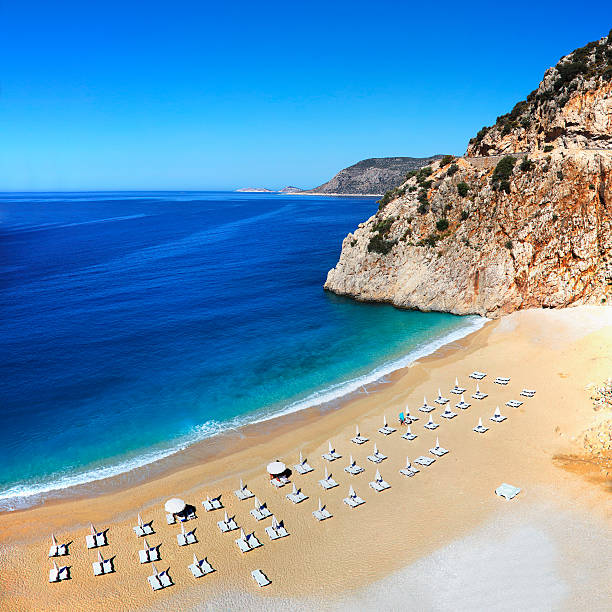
x=187, y=452
x=556, y=352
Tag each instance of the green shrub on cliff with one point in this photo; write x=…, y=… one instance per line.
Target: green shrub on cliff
x=378, y=244
x=453, y=168
x=442, y=224
x=526, y=165
x=447, y=159
x=383, y=227
x=462, y=189
x=502, y=173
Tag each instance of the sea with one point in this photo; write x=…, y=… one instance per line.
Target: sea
x=134, y=324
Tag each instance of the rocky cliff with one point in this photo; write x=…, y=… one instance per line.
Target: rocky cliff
x=522, y=220
x=372, y=176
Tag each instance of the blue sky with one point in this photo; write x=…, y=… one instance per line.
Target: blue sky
x=202, y=95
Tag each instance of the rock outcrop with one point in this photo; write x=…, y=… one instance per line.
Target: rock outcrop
x=523, y=220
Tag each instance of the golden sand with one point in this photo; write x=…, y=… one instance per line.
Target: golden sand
x=558, y=353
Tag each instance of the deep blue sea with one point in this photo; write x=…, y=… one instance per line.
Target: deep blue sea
x=133, y=324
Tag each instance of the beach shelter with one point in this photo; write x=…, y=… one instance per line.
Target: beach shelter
x=174, y=505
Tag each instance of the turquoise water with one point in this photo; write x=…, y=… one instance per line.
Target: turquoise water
x=137, y=323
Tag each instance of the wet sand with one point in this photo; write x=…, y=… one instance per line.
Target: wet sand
x=361, y=551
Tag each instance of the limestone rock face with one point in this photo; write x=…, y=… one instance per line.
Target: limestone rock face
x=481, y=235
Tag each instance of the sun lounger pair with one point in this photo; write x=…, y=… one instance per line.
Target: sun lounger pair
x=430, y=424
x=376, y=456
x=528, y=392
x=143, y=529
x=479, y=395
x=462, y=405
x=353, y=500
x=243, y=492
x=160, y=580
x=385, y=429
x=248, y=542
x=102, y=566
x=497, y=416
x=331, y=454
x=276, y=530
x=408, y=435
x=328, y=482
x=279, y=482
x=260, y=578
x=358, y=439
x=260, y=511
x=480, y=428
x=502, y=380
x=96, y=538
x=409, y=470
x=441, y=400
x=212, y=503
x=424, y=461
x=200, y=567
x=448, y=413
x=353, y=468
x=457, y=390
x=409, y=418
x=438, y=450
x=57, y=574
x=379, y=484
x=476, y=375
x=227, y=524
x=57, y=550
x=426, y=407
x=186, y=537
x=514, y=403
x=148, y=553
x=322, y=513
x=507, y=491
x=296, y=496
x=302, y=467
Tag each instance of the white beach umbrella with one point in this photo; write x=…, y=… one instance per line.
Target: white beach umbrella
x=276, y=467
x=407, y=463
x=301, y=458
x=352, y=492
x=146, y=544
x=385, y=420
x=437, y=442
x=377, y=477
x=174, y=505
x=356, y=431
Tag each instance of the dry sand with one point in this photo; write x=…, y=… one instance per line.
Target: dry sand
x=439, y=541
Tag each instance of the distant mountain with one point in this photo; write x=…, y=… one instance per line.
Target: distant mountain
x=291, y=189
x=372, y=176
x=255, y=190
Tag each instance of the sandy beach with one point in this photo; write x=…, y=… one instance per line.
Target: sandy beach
x=441, y=540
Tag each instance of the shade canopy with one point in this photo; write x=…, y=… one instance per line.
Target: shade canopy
x=174, y=505
x=276, y=467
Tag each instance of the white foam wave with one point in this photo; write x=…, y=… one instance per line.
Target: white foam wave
x=23, y=495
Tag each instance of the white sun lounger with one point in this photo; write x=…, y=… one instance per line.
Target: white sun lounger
x=212, y=503
x=409, y=470
x=96, y=538
x=376, y=456
x=302, y=467
x=260, y=511
x=501, y=380
x=497, y=416
x=227, y=524
x=322, y=513
x=148, y=554
x=353, y=468
x=457, y=390
x=331, y=454
x=160, y=580
x=358, y=439
x=102, y=566
x=409, y=435
x=448, y=413
x=328, y=482
x=438, y=450
x=186, y=537
x=462, y=405
x=476, y=375
x=260, y=578
x=296, y=496
x=170, y=519
x=278, y=482
x=424, y=461
x=57, y=574
x=243, y=492
x=276, y=530
x=426, y=407
x=514, y=403
x=57, y=550
x=479, y=395
x=507, y=491
x=480, y=428
x=441, y=400
x=143, y=529
x=430, y=424
x=409, y=419
x=385, y=429
x=247, y=542
x=379, y=484
x=353, y=500
x=528, y=392
x=200, y=567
